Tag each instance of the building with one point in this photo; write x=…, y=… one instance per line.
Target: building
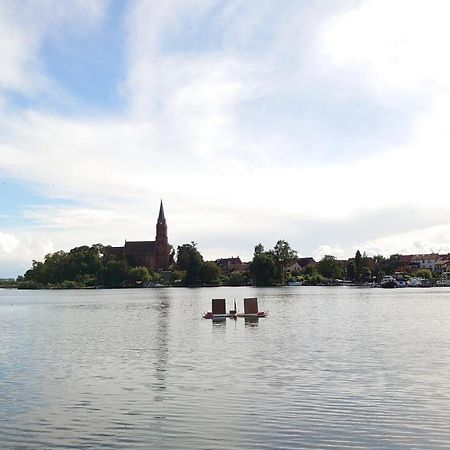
x=232, y=264
x=155, y=255
x=299, y=264
x=425, y=261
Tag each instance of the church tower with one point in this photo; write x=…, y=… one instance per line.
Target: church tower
x=162, y=242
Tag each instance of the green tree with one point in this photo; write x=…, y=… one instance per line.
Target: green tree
x=283, y=252
x=264, y=269
x=115, y=273
x=423, y=273
x=366, y=274
x=310, y=270
x=236, y=279
x=329, y=267
x=209, y=273
x=378, y=271
x=259, y=249
x=139, y=273
x=351, y=270
x=390, y=265
x=190, y=260
x=358, y=264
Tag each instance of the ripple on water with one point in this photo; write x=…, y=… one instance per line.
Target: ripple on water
x=329, y=368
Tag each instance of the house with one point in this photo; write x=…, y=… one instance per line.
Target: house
x=300, y=264
x=293, y=266
x=305, y=262
x=427, y=261
x=232, y=264
x=443, y=264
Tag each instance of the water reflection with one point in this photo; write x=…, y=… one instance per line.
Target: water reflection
x=251, y=321
x=162, y=345
x=141, y=369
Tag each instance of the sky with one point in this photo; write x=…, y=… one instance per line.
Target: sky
x=319, y=122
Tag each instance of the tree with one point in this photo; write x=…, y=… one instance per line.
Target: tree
x=390, y=265
x=139, y=273
x=259, y=249
x=264, y=269
x=366, y=274
x=190, y=260
x=329, y=267
x=236, y=279
x=351, y=270
x=209, y=272
x=378, y=271
x=423, y=273
x=283, y=252
x=310, y=270
x=115, y=273
x=358, y=264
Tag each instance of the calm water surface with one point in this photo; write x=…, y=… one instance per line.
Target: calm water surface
x=329, y=368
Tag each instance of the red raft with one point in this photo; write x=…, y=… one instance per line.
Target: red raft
x=219, y=310
x=251, y=309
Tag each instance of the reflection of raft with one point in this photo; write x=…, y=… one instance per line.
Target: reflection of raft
x=251, y=309
x=258, y=315
x=219, y=310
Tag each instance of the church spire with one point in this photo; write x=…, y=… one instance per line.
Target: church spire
x=161, y=217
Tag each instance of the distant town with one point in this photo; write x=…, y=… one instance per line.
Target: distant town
x=157, y=264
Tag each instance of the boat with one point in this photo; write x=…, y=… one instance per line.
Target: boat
x=219, y=310
x=388, y=282
x=251, y=309
x=294, y=283
x=444, y=280
x=414, y=282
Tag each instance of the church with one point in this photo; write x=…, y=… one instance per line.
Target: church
x=155, y=255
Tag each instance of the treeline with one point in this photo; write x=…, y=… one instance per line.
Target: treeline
x=270, y=268
x=195, y=271
x=83, y=267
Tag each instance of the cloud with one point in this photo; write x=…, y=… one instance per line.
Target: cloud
x=253, y=123
x=17, y=252
x=26, y=25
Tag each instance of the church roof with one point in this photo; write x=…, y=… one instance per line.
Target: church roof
x=139, y=247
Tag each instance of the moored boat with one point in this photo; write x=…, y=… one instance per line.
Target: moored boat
x=388, y=282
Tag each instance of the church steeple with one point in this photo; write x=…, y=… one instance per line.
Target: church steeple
x=161, y=243
x=161, y=217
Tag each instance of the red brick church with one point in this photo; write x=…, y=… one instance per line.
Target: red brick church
x=152, y=254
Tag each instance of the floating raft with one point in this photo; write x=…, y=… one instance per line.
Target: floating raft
x=251, y=309
x=219, y=310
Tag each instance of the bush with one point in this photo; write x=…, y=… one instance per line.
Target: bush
x=30, y=285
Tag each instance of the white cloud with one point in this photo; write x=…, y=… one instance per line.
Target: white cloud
x=24, y=25
x=392, y=47
x=8, y=242
x=17, y=251
x=431, y=239
x=202, y=129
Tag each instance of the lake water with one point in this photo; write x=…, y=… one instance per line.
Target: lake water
x=329, y=368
